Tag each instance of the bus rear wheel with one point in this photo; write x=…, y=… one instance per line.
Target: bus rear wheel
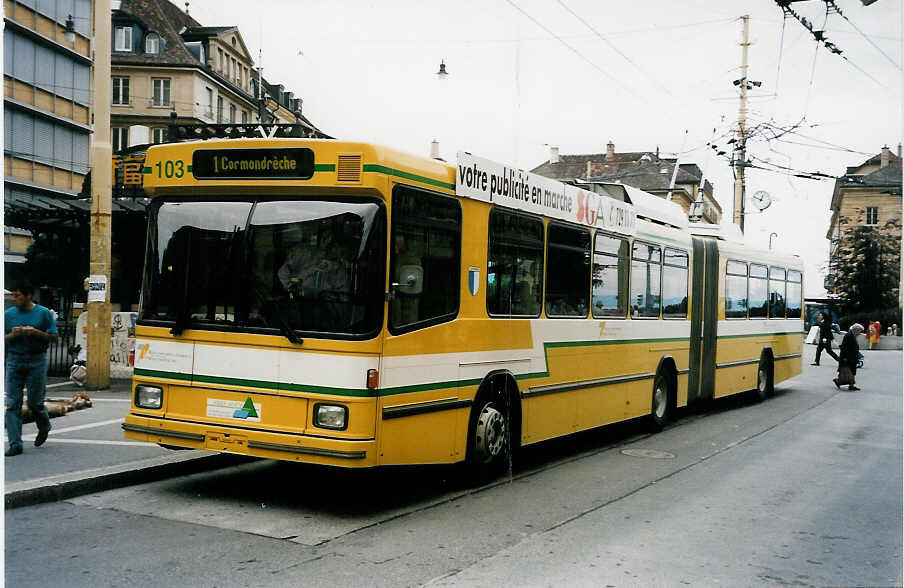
x=763, y=380
x=659, y=411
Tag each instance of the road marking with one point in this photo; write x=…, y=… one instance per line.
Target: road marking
x=111, y=400
x=91, y=441
x=80, y=427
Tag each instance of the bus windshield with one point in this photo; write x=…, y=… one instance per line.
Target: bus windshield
x=310, y=265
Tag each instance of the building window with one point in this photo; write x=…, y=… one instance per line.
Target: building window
x=244, y=116
x=158, y=135
x=120, y=91
x=161, y=87
x=219, y=109
x=232, y=113
x=152, y=44
x=208, y=104
x=122, y=39
x=872, y=215
x=220, y=62
x=120, y=138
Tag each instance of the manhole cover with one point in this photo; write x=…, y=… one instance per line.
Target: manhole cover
x=651, y=453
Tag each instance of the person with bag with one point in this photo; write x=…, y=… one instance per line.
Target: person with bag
x=825, y=338
x=847, y=363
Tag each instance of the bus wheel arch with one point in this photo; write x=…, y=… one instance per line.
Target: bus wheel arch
x=665, y=391
x=765, y=375
x=494, y=425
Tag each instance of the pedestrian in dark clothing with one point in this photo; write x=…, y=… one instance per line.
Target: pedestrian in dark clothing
x=30, y=328
x=850, y=351
x=825, y=338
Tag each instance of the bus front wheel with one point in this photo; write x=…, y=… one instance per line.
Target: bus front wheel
x=490, y=433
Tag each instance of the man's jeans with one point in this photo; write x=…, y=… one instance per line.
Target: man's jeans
x=25, y=371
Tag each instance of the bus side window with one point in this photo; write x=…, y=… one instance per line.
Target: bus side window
x=758, y=300
x=611, y=261
x=425, y=259
x=776, y=292
x=567, y=271
x=736, y=289
x=674, y=283
x=795, y=282
x=646, y=274
x=514, y=265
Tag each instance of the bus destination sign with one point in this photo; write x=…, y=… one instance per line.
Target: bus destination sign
x=294, y=163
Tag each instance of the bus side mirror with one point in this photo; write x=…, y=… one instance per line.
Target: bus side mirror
x=411, y=280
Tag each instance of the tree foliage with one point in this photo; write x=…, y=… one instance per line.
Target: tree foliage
x=867, y=266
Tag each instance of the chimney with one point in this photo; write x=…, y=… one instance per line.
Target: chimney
x=434, y=149
x=610, y=149
x=899, y=150
x=553, y=154
x=885, y=156
x=587, y=174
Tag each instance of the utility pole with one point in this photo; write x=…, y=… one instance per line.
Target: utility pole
x=99, y=334
x=741, y=154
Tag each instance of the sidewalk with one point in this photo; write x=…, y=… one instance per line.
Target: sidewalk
x=86, y=452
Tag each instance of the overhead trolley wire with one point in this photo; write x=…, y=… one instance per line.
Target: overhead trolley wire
x=573, y=50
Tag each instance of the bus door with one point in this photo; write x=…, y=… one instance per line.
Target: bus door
x=704, y=317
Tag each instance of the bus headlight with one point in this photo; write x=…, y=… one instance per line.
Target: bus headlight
x=331, y=416
x=148, y=397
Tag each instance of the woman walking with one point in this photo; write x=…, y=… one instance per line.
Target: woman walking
x=848, y=356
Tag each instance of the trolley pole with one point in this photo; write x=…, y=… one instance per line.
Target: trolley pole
x=98, y=364
x=741, y=158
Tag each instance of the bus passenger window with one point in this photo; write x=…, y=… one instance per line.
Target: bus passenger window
x=674, y=284
x=424, y=263
x=646, y=268
x=514, y=265
x=610, y=276
x=776, y=292
x=757, y=299
x=736, y=290
x=795, y=279
x=567, y=271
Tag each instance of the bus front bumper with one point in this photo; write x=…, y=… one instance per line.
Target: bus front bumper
x=271, y=445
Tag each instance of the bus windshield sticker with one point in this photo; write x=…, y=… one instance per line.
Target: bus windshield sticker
x=488, y=181
x=296, y=163
x=474, y=280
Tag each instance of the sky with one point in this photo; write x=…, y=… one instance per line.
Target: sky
x=525, y=75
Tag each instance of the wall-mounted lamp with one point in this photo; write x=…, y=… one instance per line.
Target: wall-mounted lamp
x=773, y=234
x=69, y=29
x=442, y=73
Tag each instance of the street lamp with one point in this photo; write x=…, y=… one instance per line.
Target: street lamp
x=773, y=234
x=69, y=30
x=442, y=73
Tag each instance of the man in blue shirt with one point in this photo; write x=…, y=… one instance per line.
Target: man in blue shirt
x=30, y=328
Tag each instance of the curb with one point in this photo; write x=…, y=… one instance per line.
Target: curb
x=64, y=486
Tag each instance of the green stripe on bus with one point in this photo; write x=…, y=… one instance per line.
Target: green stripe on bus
x=324, y=167
x=382, y=169
x=365, y=393
x=146, y=170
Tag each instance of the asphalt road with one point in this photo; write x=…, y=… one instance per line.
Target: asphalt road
x=803, y=489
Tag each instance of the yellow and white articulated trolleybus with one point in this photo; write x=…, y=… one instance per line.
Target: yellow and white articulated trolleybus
x=352, y=305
